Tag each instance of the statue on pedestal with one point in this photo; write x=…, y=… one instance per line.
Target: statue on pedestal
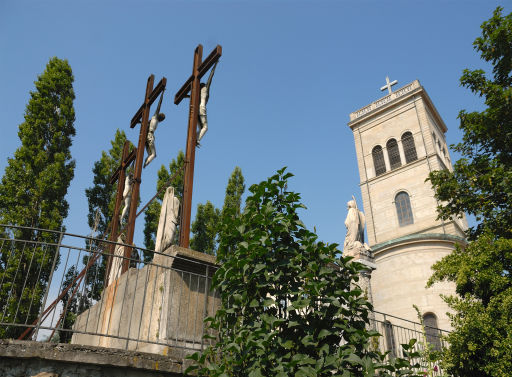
x=354, y=240
x=168, y=220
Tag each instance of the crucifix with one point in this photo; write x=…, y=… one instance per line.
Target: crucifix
x=192, y=86
x=119, y=176
x=388, y=85
x=142, y=117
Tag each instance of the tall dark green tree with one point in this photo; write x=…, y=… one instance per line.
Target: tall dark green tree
x=152, y=213
x=205, y=228
x=289, y=305
x=234, y=191
x=481, y=185
x=33, y=190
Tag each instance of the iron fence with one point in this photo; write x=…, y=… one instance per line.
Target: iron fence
x=61, y=287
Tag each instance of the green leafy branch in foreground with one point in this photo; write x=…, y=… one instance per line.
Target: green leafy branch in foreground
x=289, y=305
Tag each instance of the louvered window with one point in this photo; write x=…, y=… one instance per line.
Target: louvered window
x=393, y=154
x=390, y=338
x=378, y=160
x=409, y=148
x=403, y=209
x=431, y=330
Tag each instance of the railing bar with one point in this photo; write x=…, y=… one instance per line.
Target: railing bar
x=169, y=306
x=188, y=301
x=60, y=286
x=195, y=318
x=14, y=282
x=205, y=307
x=36, y=284
x=153, y=300
x=93, y=286
x=133, y=302
x=148, y=270
x=179, y=308
x=7, y=262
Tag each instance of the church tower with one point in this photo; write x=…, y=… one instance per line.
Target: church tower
x=400, y=139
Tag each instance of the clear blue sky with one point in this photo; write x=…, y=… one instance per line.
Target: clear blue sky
x=290, y=74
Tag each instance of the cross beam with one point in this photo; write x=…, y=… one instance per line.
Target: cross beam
x=199, y=69
x=119, y=176
x=142, y=117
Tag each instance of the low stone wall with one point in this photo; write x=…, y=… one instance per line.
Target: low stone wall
x=29, y=358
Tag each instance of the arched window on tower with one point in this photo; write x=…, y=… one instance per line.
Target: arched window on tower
x=390, y=338
x=378, y=160
x=409, y=147
x=393, y=154
x=431, y=330
x=403, y=208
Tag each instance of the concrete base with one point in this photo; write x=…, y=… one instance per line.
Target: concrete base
x=162, y=304
x=28, y=358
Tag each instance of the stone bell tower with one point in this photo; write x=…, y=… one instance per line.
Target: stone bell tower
x=400, y=139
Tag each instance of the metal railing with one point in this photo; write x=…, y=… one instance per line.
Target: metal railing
x=58, y=287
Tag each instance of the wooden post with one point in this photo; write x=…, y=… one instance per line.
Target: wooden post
x=191, y=86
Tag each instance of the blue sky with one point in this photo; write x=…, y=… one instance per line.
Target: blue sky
x=290, y=74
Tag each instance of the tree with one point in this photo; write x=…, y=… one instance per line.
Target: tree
x=289, y=306
x=177, y=173
x=234, y=191
x=101, y=197
x=33, y=190
x=205, y=228
x=480, y=184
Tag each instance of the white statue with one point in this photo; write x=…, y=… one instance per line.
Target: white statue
x=117, y=260
x=205, y=95
x=150, y=140
x=354, y=222
x=168, y=220
x=127, y=195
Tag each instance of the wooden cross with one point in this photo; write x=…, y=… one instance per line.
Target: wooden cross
x=119, y=176
x=142, y=117
x=192, y=86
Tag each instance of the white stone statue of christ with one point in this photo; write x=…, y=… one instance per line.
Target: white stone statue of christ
x=150, y=140
x=127, y=195
x=168, y=220
x=204, y=96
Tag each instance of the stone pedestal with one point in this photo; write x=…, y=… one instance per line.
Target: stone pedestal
x=162, y=304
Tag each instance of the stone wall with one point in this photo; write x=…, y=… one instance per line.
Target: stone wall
x=29, y=358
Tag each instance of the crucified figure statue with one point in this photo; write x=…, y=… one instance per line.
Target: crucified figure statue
x=205, y=95
x=127, y=195
x=150, y=140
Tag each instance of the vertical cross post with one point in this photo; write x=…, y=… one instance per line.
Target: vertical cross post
x=191, y=86
x=142, y=117
x=119, y=175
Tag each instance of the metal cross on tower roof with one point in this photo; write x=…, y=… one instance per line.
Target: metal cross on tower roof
x=388, y=85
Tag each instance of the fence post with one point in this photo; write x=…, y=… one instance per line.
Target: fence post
x=205, y=311
x=57, y=253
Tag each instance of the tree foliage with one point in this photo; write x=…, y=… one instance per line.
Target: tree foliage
x=289, y=306
x=152, y=214
x=205, y=228
x=480, y=184
x=234, y=191
x=33, y=190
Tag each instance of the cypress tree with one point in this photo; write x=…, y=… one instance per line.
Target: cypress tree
x=32, y=193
